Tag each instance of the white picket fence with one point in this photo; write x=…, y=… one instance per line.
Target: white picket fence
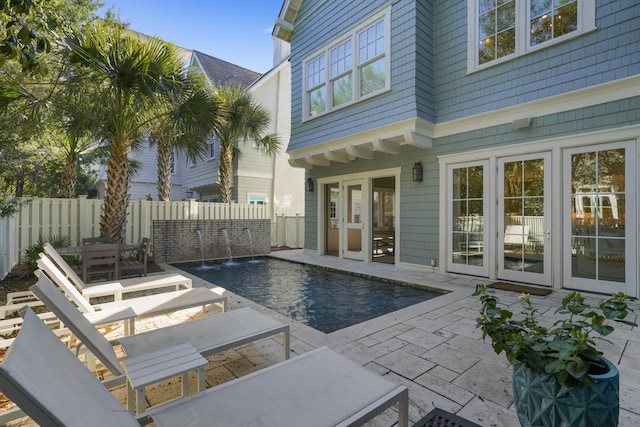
x=79, y=218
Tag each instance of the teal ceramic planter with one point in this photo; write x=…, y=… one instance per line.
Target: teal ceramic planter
x=541, y=401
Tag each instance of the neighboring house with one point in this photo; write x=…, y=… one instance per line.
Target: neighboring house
x=257, y=178
x=495, y=139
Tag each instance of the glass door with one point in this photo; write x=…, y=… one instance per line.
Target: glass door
x=599, y=255
x=468, y=245
x=524, y=219
x=355, y=215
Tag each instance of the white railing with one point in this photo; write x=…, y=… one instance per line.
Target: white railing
x=79, y=218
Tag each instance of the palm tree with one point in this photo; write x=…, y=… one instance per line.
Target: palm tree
x=242, y=118
x=195, y=116
x=138, y=81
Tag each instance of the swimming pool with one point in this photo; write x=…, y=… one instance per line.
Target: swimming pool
x=327, y=300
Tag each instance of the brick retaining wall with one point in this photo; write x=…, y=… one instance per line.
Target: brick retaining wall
x=178, y=240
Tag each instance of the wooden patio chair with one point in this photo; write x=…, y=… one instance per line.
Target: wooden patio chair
x=139, y=263
x=99, y=239
x=319, y=388
x=100, y=259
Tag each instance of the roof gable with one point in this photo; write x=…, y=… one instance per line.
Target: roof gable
x=223, y=73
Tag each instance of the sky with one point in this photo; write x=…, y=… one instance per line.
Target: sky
x=237, y=31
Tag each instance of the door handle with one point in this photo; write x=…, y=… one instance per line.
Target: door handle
x=548, y=235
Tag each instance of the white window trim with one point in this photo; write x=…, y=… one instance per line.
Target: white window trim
x=257, y=195
x=586, y=23
x=355, y=66
x=212, y=143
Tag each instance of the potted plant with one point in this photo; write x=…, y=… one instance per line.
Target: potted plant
x=559, y=376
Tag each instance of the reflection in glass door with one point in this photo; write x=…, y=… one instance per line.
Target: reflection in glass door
x=468, y=246
x=600, y=250
x=524, y=221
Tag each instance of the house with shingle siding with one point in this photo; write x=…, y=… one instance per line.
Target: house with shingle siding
x=494, y=139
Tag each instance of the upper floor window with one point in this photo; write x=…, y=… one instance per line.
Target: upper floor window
x=173, y=163
x=503, y=29
x=212, y=148
x=256, y=199
x=352, y=67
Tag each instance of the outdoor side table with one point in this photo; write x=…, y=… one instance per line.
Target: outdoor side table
x=147, y=369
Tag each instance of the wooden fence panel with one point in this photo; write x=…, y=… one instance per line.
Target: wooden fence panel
x=79, y=218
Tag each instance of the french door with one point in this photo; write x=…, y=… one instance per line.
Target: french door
x=524, y=219
x=355, y=214
x=600, y=193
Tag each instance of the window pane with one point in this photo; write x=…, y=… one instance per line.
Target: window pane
x=371, y=42
x=372, y=77
x=540, y=7
x=341, y=59
x=506, y=16
x=496, y=30
x=534, y=177
x=487, y=25
x=540, y=29
x=513, y=179
x=486, y=5
x=611, y=169
x=317, y=101
x=459, y=183
x=552, y=19
x=506, y=43
x=476, y=182
x=316, y=72
x=342, y=90
x=565, y=19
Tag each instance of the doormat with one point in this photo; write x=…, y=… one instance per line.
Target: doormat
x=531, y=290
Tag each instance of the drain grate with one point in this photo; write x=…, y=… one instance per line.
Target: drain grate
x=441, y=418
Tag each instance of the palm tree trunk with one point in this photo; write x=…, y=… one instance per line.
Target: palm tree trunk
x=68, y=178
x=116, y=201
x=226, y=166
x=164, y=171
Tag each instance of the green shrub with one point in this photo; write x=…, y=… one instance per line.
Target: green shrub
x=32, y=253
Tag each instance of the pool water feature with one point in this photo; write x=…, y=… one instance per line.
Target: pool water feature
x=325, y=299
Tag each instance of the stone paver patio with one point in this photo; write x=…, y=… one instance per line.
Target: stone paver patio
x=433, y=348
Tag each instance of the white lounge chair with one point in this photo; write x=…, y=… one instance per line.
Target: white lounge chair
x=319, y=388
x=207, y=335
x=118, y=287
x=145, y=306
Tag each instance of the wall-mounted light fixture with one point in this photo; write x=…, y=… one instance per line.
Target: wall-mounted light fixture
x=521, y=123
x=417, y=172
x=309, y=185
x=189, y=194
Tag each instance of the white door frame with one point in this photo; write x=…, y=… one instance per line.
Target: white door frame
x=541, y=237
x=367, y=177
x=630, y=285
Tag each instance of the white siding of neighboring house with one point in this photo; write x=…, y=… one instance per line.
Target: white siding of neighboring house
x=273, y=91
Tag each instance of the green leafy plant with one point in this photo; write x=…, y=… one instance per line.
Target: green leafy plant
x=32, y=253
x=567, y=348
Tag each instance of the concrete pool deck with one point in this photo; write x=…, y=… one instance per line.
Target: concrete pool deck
x=433, y=348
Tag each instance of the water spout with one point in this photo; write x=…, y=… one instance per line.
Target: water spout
x=225, y=234
x=250, y=242
x=203, y=265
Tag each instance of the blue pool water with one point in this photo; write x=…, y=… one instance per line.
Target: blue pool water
x=325, y=299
